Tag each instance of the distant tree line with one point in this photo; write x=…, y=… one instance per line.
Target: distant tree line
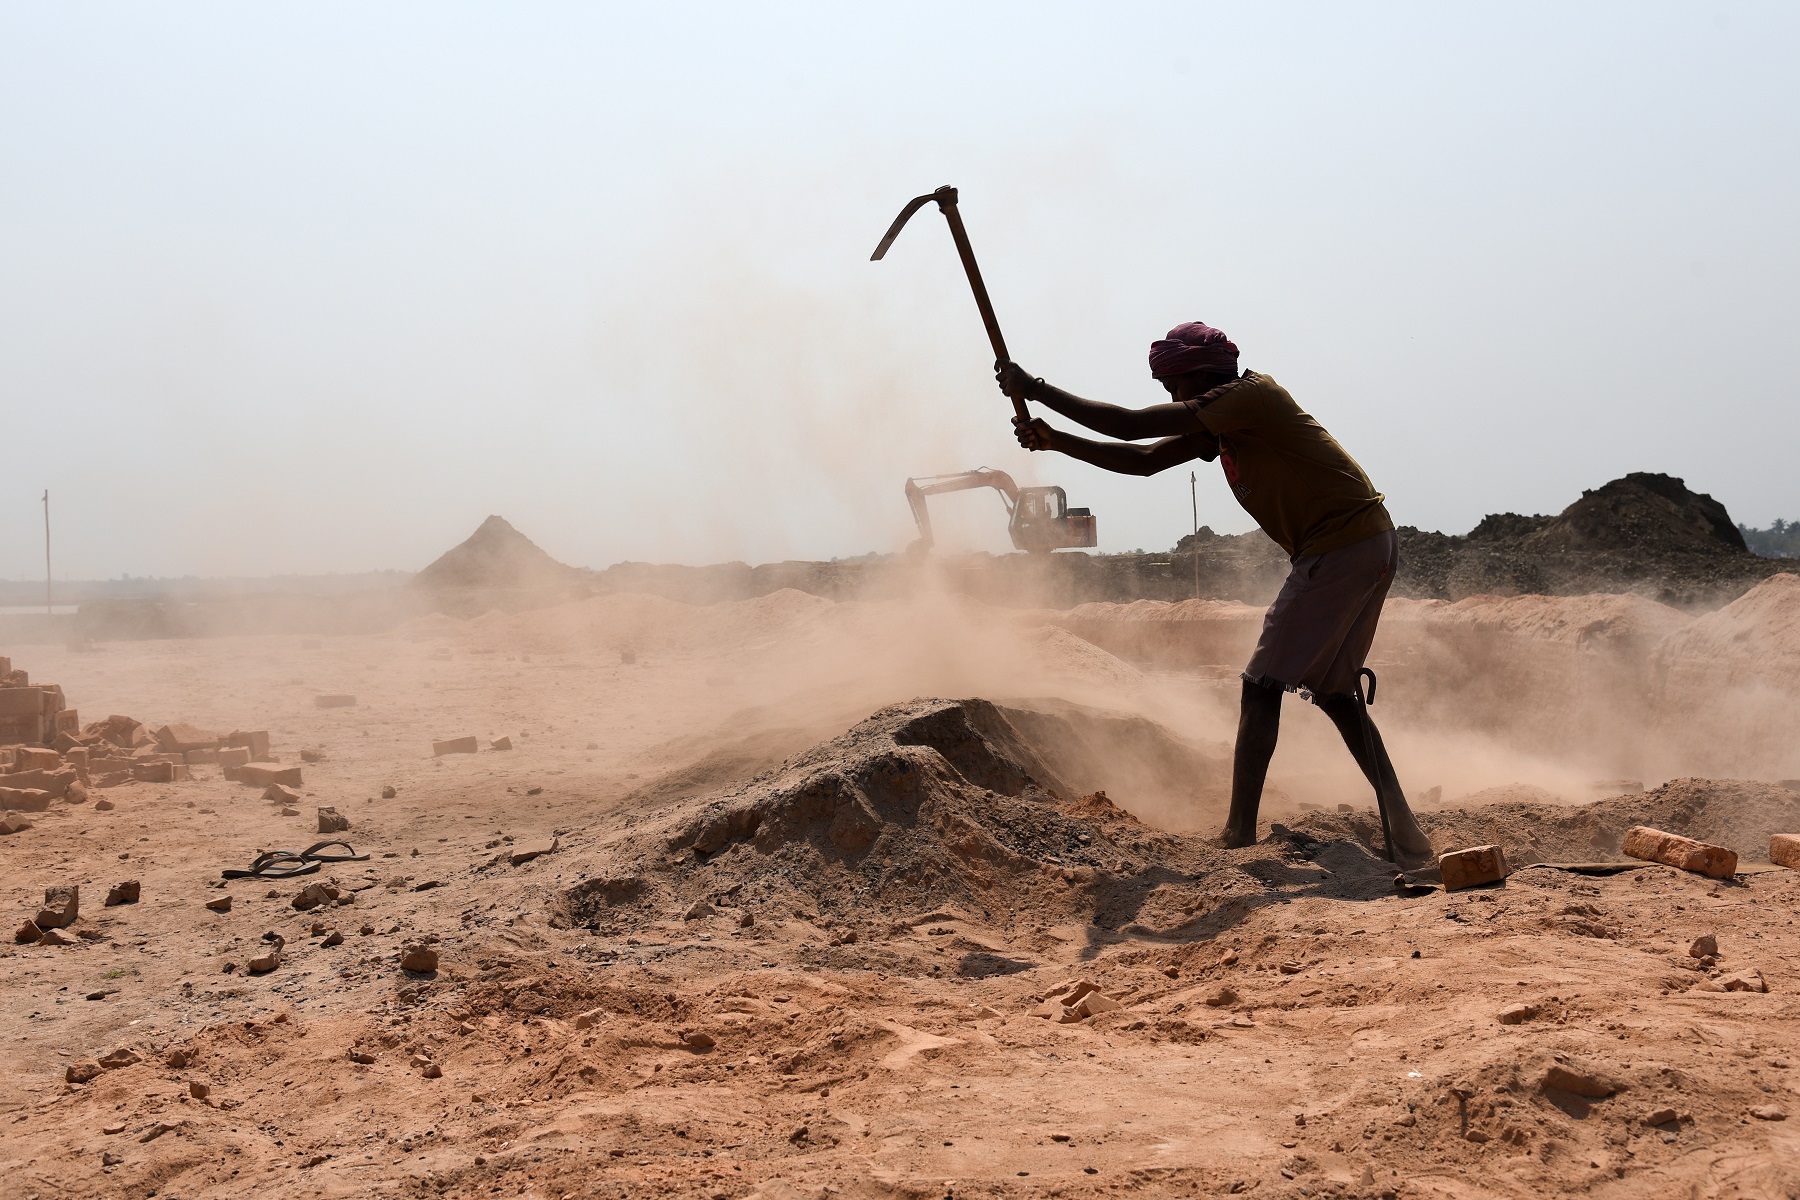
x=1780, y=540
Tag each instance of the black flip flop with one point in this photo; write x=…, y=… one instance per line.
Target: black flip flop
x=284, y=864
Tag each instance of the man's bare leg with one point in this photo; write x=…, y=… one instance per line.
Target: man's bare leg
x=1348, y=715
x=1259, y=724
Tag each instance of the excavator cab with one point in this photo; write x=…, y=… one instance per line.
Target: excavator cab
x=1039, y=519
x=1043, y=521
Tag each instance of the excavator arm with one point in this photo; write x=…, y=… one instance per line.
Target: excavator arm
x=933, y=485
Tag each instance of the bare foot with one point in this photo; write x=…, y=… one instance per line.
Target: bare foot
x=1408, y=837
x=1234, y=839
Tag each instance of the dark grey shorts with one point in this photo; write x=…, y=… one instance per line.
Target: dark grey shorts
x=1317, y=634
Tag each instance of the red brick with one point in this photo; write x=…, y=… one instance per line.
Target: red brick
x=1784, y=850
x=262, y=774
x=179, y=738
x=24, y=799
x=462, y=745
x=1671, y=849
x=233, y=756
x=36, y=758
x=1472, y=867
x=54, y=782
x=254, y=740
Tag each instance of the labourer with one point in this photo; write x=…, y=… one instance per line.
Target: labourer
x=1308, y=495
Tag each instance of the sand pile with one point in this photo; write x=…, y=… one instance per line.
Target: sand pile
x=497, y=557
x=927, y=805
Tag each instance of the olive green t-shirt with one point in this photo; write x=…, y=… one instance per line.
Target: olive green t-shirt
x=1287, y=472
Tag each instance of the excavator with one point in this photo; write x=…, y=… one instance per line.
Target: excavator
x=1039, y=518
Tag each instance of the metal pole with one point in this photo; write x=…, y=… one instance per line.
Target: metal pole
x=49, y=596
x=1194, y=496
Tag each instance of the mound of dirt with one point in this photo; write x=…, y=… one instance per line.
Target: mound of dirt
x=924, y=806
x=497, y=556
x=1644, y=533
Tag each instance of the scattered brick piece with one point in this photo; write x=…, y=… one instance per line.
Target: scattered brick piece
x=220, y=905
x=388, y=793
x=198, y=1090
x=262, y=964
x=312, y=756
x=1742, y=981
x=462, y=745
x=360, y=1056
x=176, y=1058
x=524, y=852
x=262, y=774
x=255, y=740
x=419, y=958
x=179, y=738
x=332, y=821
x=503, y=743
x=432, y=1071
x=1704, y=946
x=61, y=906
x=1472, y=867
x=28, y=933
x=1784, y=850
x=1769, y=1112
x=1671, y=849
x=12, y=822
x=124, y=1056
x=334, y=700
x=695, y=1040
x=160, y=772
x=1517, y=1014
x=277, y=793
x=334, y=938
x=82, y=1072
x=123, y=893
x=54, y=937
x=104, y=806
x=19, y=799
x=315, y=894
x=232, y=757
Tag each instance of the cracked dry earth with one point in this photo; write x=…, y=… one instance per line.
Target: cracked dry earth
x=837, y=969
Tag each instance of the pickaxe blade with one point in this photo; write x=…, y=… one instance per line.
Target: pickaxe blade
x=946, y=202
x=944, y=195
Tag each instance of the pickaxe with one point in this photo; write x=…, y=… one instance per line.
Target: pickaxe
x=946, y=202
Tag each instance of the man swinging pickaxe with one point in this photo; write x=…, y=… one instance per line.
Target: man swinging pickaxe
x=1302, y=488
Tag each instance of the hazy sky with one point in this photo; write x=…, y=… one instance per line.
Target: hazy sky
x=307, y=288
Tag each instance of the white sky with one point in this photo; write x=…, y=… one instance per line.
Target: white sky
x=308, y=288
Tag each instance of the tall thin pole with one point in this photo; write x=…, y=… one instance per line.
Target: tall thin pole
x=1194, y=497
x=49, y=595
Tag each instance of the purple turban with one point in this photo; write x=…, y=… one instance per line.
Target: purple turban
x=1190, y=347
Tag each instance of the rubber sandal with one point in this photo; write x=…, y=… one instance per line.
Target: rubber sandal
x=273, y=864
x=311, y=853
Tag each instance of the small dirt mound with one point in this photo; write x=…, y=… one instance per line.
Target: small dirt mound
x=496, y=556
x=938, y=805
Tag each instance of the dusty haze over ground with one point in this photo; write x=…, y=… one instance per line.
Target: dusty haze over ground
x=367, y=275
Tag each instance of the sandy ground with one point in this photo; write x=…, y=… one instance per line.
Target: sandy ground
x=1315, y=1034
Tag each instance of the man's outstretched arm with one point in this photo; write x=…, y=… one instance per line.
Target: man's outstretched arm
x=1126, y=424
x=1122, y=457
